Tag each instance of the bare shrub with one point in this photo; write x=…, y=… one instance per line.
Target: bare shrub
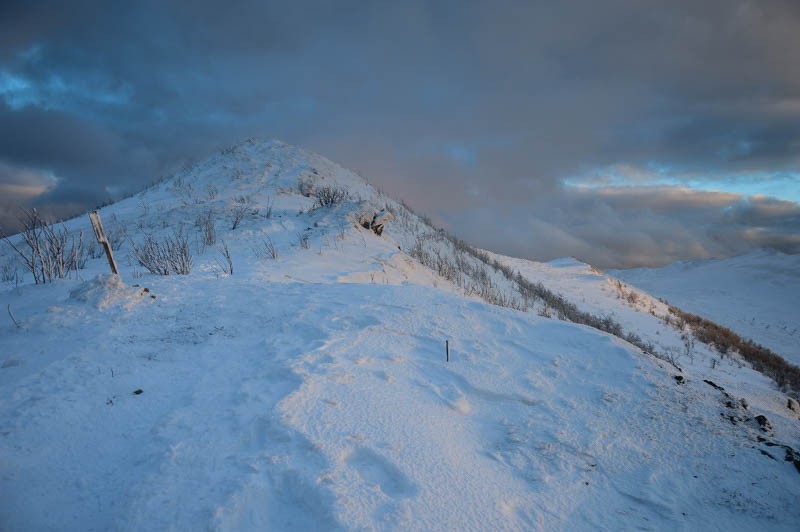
x=272, y=251
x=225, y=262
x=688, y=346
x=302, y=240
x=170, y=255
x=328, y=196
x=8, y=271
x=94, y=250
x=212, y=191
x=266, y=250
x=205, y=224
x=671, y=355
x=632, y=298
x=268, y=209
x=48, y=252
x=240, y=209
x=145, y=207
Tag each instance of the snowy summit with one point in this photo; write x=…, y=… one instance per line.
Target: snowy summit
x=274, y=356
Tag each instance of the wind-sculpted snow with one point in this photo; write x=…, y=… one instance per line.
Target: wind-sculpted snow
x=310, y=391
x=322, y=406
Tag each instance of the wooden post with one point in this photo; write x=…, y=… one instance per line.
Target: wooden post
x=97, y=225
x=447, y=349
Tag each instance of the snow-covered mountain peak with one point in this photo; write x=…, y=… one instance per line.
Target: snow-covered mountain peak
x=259, y=166
x=297, y=366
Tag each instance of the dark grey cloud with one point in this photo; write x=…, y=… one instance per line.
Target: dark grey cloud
x=636, y=226
x=458, y=107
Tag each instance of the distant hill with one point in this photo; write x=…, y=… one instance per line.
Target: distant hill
x=756, y=295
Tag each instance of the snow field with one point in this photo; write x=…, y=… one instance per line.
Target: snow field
x=331, y=408
x=311, y=392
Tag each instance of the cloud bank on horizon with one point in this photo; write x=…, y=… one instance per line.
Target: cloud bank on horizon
x=632, y=133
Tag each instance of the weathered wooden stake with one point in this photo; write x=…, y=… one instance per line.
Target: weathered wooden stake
x=97, y=225
x=447, y=349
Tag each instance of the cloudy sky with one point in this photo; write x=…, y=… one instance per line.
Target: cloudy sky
x=621, y=132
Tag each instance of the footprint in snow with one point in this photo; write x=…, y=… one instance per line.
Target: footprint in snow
x=377, y=470
x=451, y=395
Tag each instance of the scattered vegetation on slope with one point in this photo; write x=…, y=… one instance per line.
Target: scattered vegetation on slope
x=471, y=270
x=725, y=341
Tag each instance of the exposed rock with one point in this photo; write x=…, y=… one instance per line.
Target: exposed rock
x=713, y=384
x=793, y=457
x=379, y=220
x=376, y=222
x=763, y=423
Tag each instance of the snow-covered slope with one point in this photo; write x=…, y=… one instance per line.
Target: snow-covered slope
x=311, y=391
x=756, y=294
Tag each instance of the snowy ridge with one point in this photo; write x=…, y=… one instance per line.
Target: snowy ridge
x=310, y=391
x=754, y=294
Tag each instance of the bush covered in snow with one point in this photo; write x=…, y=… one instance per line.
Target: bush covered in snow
x=166, y=256
x=48, y=252
x=329, y=196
